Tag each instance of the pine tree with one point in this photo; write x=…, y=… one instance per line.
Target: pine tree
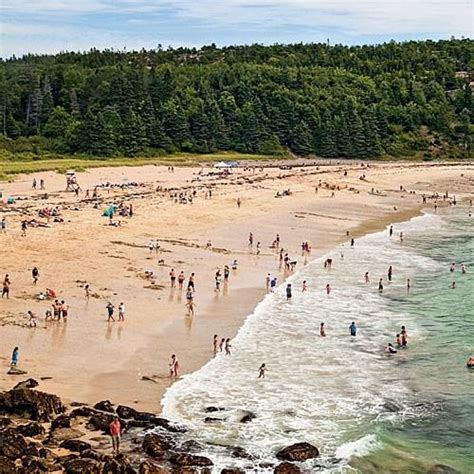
x=175, y=124
x=134, y=138
x=302, y=140
x=35, y=102
x=47, y=102
x=154, y=129
x=200, y=130
x=373, y=147
x=104, y=139
x=57, y=124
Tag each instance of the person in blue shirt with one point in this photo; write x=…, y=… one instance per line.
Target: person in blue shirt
x=353, y=329
x=15, y=357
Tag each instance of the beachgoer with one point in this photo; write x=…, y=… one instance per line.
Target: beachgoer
x=32, y=319
x=250, y=239
x=453, y=285
x=288, y=292
x=390, y=232
x=222, y=344
x=215, y=343
x=463, y=268
x=398, y=341
x=35, y=275
x=366, y=277
x=322, y=331
x=352, y=242
x=404, y=336
x=110, y=311
x=174, y=366
x=227, y=347
x=452, y=267
x=258, y=248
x=390, y=349
x=389, y=273
x=121, y=312
x=115, y=432
x=173, y=278
x=87, y=290
x=191, y=282
x=381, y=285
x=408, y=284
x=64, y=310
x=239, y=202
x=226, y=273
x=261, y=371
x=470, y=362
x=328, y=289
x=6, y=286
x=181, y=279
x=273, y=284
x=353, y=329
x=305, y=286
x=268, y=280
x=15, y=357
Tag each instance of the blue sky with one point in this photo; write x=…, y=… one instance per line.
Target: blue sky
x=48, y=26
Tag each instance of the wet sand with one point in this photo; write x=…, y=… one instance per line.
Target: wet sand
x=89, y=359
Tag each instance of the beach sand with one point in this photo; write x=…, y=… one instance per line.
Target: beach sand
x=88, y=359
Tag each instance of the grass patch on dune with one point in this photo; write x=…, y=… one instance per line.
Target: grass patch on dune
x=26, y=163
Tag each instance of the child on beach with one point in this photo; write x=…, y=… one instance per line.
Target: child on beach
x=32, y=319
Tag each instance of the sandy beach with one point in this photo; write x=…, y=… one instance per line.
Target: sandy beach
x=88, y=359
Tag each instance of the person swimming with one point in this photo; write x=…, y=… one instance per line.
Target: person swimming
x=390, y=349
x=470, y=362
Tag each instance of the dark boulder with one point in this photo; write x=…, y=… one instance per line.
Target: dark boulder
x=82, y=411
x=7, y=466
x=14, y=446
x=298, y=452
x=232, y=470
x=118, y=464
x=4, y=422
x=105, y=405
x=83, y=466
x=247, y=417
x=30, y=429
x=101, y=421
x=239, y=452
x=442, y=469
x=36, y=465
x=61, y=421
x=75, y=445
x=211, y=419
x=287, y=468
x=28, y=383
x=144, y=419
x=156, y=445
x=38, y=406
x=62, y=434
x=189, y=460
x=213, y=409
x=147, y=467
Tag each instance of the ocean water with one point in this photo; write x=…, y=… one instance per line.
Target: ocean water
x=365, y=410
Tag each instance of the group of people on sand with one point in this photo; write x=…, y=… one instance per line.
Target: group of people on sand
x=111, y=311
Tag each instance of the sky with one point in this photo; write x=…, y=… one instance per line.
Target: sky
x=50, y=26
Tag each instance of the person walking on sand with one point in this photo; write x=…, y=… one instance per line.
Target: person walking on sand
x=258, y=248
x=174, y=366
x=6, y=286
x=215, y=343
x=110, y=311
x=328, y=289
x=64, y=310
x=32, y=319
x=15, y=357
x=305, y=286
x=191, y=282
x=115, y=433
x=222, y=344
x=181, y=279
x=353, y=329
x=87, y=290
x=390, y=232
x=261, y=371
x=227, y=347
x=35, y=275
x=322, y=330
x=250, y=239
x=239, y=202
x=288, y=292
x=23, y=228
x=121, y=312
x=172, y=278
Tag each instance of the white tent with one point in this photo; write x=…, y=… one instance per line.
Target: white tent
x=222, y=164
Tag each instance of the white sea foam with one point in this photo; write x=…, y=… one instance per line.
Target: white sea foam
x=325, y=391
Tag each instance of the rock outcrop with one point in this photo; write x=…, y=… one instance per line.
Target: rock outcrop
x=298, y=452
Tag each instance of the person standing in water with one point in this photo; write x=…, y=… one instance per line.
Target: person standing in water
x=328, y=289
x=390, y=232
x=215, y=343
x=174, y=366
x=261, y=371
x=305, y=286
x=408, y=284
x=389, y=273
x=227, y=347
x=366, y=278
x=353, y=329
x=288, y=292
x=404, y=336
x=322, y=330
x=381, y=285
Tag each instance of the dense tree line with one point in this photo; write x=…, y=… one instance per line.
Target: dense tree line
x=395, y=98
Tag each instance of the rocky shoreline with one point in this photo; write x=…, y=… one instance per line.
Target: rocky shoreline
x=39, y=433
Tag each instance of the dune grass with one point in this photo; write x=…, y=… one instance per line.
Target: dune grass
x=14, y=164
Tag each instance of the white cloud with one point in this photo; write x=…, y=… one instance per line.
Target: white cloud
x=229, y=18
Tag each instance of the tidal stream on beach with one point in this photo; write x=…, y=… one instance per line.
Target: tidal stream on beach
x=364, y=409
